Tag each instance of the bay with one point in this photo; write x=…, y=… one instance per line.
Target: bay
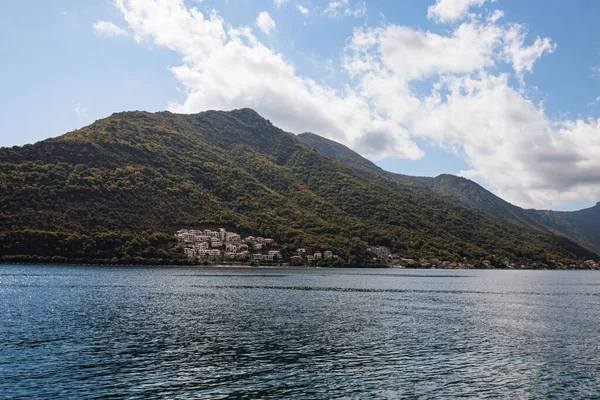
x=171, y=332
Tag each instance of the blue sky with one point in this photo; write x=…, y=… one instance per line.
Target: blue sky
x=422, y=88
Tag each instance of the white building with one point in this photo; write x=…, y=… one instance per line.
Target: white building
x=233, y=237
x=274, y=253
x=201, y=246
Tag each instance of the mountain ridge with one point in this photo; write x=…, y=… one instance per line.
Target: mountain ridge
x=582, y=226
x=120, y=187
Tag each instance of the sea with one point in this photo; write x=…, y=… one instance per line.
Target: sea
x=272, y=333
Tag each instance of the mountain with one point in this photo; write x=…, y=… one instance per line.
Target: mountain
x=581, y=226
x=118, y=189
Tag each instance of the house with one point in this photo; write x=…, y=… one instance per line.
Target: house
x=203, y=253
x=201, y=246
x=233, y=237
x=232, y=248
x=269, y=240
x=310, y=258
x=327, y=254
x=259, y=239
x=318, y=256
x=257, y=246
x=243, y=247
x=209, y=253
x=274, y=253
x=301, y=251
x=257, y=257
x=216, y=243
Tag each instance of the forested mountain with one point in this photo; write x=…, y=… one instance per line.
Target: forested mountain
x=581, y=226
x=119, y=188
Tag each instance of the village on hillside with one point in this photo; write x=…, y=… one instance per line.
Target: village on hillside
x=230, y=247
x=220, y=245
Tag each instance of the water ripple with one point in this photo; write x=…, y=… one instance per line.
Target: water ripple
x=302, y=334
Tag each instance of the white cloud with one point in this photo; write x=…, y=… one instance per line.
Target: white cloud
x=108, y=29
x=451, y=10
x=469, y=104
x=279, y=3
x=510, y=142
x=303, y=10
x=80, y=110
x=343, y=8
x=265, y=23
x=523, y=57
x=507, y=140
x=227, y=68
x=411, y=54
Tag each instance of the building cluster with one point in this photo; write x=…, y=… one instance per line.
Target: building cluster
x=302, y=257
x=220, y=244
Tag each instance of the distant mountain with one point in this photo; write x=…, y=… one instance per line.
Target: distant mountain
x=581, y=226
x=118, y=189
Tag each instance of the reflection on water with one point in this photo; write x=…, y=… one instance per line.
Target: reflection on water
x=91, y=332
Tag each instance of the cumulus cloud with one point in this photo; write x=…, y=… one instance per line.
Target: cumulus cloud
x=265, y=23
x=226, y=68
x=508, y=141
x=451, y=10
x=523, y=57
x=303, y=10
x=343, y=8
x=108, y=29
x=468, y=103
x=279, y=3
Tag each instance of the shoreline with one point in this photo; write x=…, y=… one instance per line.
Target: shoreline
x=248, y=266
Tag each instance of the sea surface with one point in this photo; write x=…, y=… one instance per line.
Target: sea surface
x=171, y=332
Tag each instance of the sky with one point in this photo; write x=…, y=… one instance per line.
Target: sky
x=503, y=92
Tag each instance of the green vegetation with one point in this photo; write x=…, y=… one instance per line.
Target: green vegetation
x=581, y=226
x=118, y=190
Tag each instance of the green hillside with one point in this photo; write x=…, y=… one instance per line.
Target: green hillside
x=581, y=226
x=118, y=189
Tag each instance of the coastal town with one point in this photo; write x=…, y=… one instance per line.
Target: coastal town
x=221, y=246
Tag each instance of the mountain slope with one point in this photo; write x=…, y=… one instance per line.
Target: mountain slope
x=121, y=186
x=581, y=226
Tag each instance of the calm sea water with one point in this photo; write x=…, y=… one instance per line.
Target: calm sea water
x=105, y=332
